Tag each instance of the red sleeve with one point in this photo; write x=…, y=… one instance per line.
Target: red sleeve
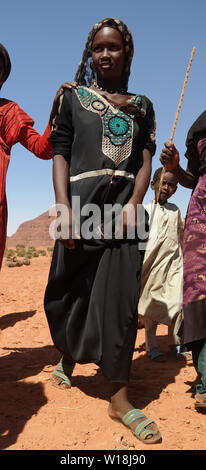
x=38, y=144
x=19, y=128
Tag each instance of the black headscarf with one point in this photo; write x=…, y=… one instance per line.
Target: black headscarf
x=6, y=64
x=85, y=74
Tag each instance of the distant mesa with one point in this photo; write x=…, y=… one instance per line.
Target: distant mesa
x=33, y=232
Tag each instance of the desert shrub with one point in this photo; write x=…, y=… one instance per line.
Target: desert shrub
x=30, y=252
x=10, y=264
x=21, y=252
x=19, y=263
x=42, y=252
x=31, y=249
x=10, y=254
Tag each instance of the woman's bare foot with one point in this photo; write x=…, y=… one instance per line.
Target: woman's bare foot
x=144, y=429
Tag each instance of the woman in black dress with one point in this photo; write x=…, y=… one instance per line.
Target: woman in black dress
x=103, y=141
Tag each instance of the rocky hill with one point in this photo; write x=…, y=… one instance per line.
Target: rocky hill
x=33, y=232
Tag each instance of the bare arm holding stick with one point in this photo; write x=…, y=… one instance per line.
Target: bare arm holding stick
x=170, y=159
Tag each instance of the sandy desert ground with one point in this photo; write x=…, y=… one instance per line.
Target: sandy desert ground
x=36, y=416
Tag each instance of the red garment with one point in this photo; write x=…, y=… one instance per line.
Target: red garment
x=16, y=126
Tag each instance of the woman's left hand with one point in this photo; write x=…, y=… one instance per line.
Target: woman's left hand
x=127, y=222
x=60, y=91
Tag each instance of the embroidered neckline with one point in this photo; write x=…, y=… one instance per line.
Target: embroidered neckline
x=117, y=126
x=106, y=100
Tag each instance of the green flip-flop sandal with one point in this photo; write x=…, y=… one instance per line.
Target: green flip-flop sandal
x=61, y=373
x=141, y=431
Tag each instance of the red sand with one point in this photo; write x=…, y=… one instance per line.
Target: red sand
x=37, y=416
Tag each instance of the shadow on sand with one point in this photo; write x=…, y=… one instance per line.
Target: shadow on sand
x=12, y=318
x=20, y=400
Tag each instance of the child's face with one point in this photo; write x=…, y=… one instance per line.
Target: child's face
x=168, y=188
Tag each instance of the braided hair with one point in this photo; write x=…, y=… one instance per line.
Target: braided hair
x=86, y=74
x=6, y=64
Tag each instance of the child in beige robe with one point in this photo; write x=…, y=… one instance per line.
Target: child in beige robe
x=162, y=273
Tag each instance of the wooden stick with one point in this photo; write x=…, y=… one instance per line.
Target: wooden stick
x=175, y=121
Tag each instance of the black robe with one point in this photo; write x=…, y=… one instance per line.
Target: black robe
x=92, y=292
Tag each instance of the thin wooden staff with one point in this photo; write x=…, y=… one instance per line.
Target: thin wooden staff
x=175, y=122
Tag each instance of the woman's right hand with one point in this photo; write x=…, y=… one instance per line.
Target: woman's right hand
x=68, y=228
x=60, y=91
x=169, y=156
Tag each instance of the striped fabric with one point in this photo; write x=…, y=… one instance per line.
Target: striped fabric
x=16, y=126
